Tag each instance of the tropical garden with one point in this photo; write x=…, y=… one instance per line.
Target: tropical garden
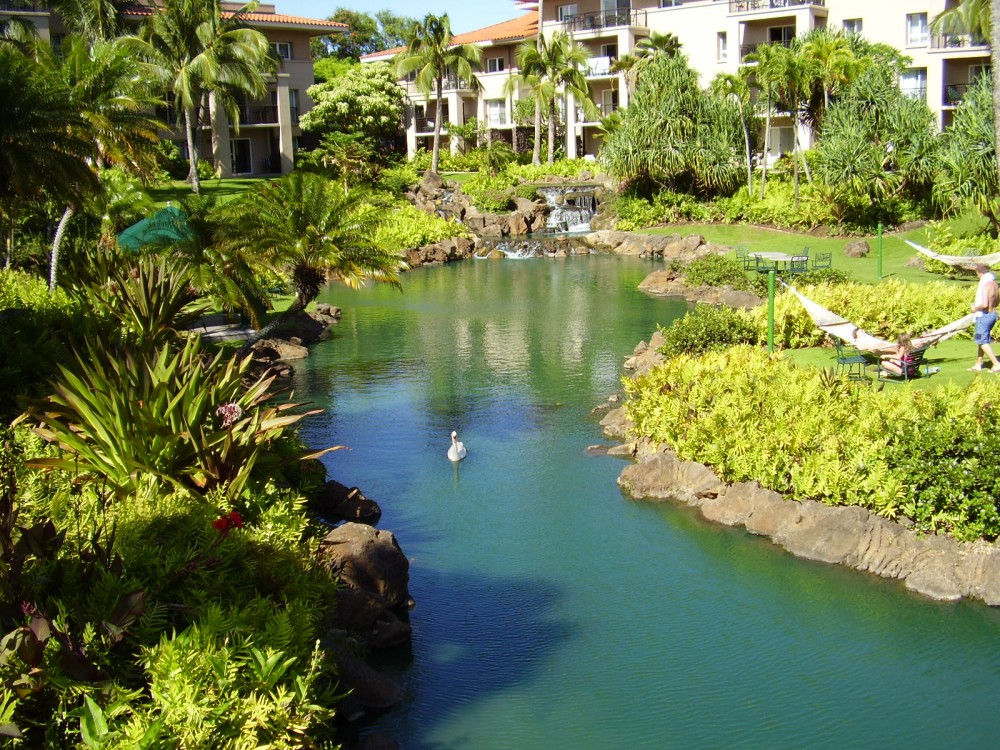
x=158, y=583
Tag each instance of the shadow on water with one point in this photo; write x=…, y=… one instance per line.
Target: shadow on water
x=472, y=652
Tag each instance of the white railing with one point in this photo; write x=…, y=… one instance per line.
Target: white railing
x=599, y=66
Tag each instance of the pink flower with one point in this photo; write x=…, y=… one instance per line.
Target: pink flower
x=229, y=414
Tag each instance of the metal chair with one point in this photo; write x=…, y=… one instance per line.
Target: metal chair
x=851, y=361
x=822, y=260
x=763, y=265
x=798, y=264
x=744, y=257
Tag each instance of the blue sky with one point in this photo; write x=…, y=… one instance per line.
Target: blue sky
x=465, y=15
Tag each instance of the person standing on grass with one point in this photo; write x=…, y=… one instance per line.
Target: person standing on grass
x=984, y=307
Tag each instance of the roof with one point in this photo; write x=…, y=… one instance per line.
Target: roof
x=516, y=28
x=276, y=20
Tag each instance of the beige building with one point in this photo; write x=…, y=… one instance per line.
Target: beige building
x=716, y=36
x=268, y=132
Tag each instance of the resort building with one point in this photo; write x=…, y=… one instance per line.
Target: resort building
x=267, y=135
x=716, y=36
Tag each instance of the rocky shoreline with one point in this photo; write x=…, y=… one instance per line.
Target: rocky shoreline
x=938, y=567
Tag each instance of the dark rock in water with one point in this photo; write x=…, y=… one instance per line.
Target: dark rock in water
x=369, y=689
x=368, y=559
x=336, y=502
x=377, y=742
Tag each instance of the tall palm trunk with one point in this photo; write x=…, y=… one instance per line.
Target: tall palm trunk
x=995, y=60
x=536, y=151
x=189, y=124
x=57, y=244
x=552, y=130
x=746, y=144
x=767, y=149
x=8, y=241
x=437, y=129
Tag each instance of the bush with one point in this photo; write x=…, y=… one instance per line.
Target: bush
x=666, y=207
x=567, y=168
x=708, y=328
x=397, y=180
x=491, y=193
x=932, y=455
x=716, y=270
x=410, y=227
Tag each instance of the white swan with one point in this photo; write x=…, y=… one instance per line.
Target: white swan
x=456, y=452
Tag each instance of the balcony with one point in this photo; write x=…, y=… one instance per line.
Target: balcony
x=954, y=93
x=957, y=41
x=604, y=19
x=497, y=120
x=23, y=6
x=262, y=115
x=747, y=6
x=599, y=66
x=603, y=110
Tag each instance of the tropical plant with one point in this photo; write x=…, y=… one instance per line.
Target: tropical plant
x=312, y=228
x=433, y=57
x=735, y=87
x=656, y=44
x=834, y=65
x=365, y=100
x=980, y=19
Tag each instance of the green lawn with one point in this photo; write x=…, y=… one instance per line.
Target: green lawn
x=895, y=252
x=223, y=190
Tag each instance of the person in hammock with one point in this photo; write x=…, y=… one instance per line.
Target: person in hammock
x=984, y=307
x=896, y=362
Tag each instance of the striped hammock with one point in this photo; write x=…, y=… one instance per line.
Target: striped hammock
x=845, y=330
x=956, y=260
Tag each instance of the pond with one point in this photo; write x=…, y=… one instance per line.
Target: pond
x=551, y=611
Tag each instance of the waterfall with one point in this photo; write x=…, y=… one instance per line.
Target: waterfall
x=572, y=207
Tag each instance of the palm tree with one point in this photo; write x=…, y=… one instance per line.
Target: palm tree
x=191, y=52
x=432, y=56
x=834, y=62
x=312, y=228
x=42, y=146
x=657, y=44
x=95, y=20
x=557, y=64
x=736, y=87
x=113, y=101
x=765, y=79
x=532, y=75
x=979, y=18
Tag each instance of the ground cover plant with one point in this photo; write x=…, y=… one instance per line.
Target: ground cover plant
x=808, y=434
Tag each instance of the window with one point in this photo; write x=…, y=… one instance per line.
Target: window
x=976, y=71
x=852, y=25
x=722, y=46
x=293, y=105
x=496, y=112
x=670, y=3
x=282, y=49
x=495, y=64
x=565, y=11
x=913, y=83
x=609, y=101
x=781, y=35
x=609, y=50
x=916, y=29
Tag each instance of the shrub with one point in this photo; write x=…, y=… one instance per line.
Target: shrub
x=666, y=207
x=567, y=168
x=490, y=193
x=716, y=270
x=708, y=328
x=397, y=180
x=410, y=227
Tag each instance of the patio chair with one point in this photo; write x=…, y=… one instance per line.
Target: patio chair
x=744, y=257
x=798, y=264
x=851, y=361
x=763, y=265
x=822, y=260
x=912, y=370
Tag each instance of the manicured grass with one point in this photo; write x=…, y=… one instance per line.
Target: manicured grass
x=223, y=190
x=895, y=252
x=952, y=357
x=460, y=177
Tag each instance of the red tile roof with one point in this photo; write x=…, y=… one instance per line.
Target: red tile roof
x=264, y=19
x=517, y=28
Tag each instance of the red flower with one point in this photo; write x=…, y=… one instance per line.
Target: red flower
x=223, y=524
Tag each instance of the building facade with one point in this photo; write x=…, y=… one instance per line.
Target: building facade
x=716, y=36
x=267, y=135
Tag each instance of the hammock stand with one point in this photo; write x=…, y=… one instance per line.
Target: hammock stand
x=847, y=331
x=957, y=261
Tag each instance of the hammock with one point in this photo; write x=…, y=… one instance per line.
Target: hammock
x=956, y=260
x=845, y=330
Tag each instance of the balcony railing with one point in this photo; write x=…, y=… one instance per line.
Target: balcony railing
x=957, y=41
x=916, y=92
x=745, y=6
x=954, y=93
x=497, y=120
x=599, y=66
x=603, y=110
x=749, y=49
x=23, y=6
x=604, y=19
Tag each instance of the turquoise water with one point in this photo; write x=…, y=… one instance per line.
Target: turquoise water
x=552, y=612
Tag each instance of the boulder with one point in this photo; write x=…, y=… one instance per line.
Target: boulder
x=368, y=559
x=280, y=350
x=336, y=502
x=857, y=248
x=518, y=224
x=366, y=688
x=663, y=476
x=309, y=327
